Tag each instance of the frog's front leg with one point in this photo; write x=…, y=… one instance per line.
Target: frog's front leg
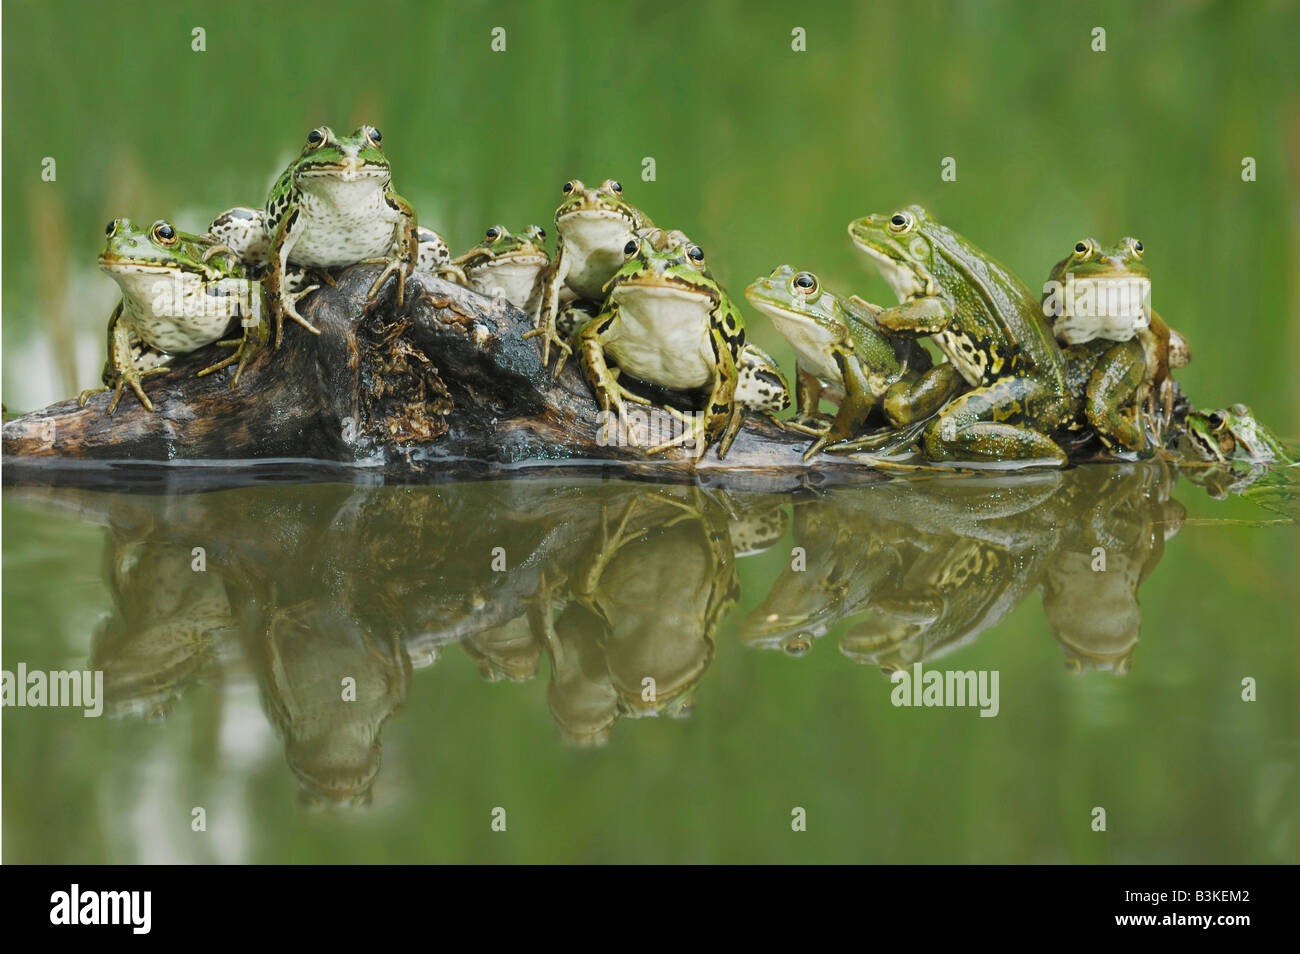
x=914, y=397
x=603, y=381
x=251, y=341
x=279, y=298
x=1116, y=379
x=808, y=417
x=548, y=306
x=121, y=371
x=406, y=236
x=854, y=407
x=722, y=415
x=991, y=424
x=918, y=316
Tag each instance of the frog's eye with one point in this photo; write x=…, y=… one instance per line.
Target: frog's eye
x=1083, y=248
x=1240, y=410
x=163, y=234
x=569, y=186
x=630, y=248
x=900, y=222
x=111, y=226
x=695, y=254
x=1216, y=420
x=805, y=283
x=493, y=233
x=1135, y=247
x=537, y=232
x=373, y=136
x=316, y=138
x=614, y=186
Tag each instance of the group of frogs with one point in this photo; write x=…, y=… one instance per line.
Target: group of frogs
x=1026, y=378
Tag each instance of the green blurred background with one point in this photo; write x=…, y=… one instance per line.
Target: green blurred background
x=762, y=154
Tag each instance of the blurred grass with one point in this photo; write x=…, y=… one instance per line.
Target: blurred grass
x=763, y=154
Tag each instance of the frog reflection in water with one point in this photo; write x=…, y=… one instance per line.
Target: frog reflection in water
x=916, y=570
x=167, y=631
x=618, y=647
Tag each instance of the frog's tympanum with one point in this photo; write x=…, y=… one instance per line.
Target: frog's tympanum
x=843, y=352
x=177, y=297
x=508, y=265
x=1119, y=352
x=593, y=227
x=992, y=330
x=667, y=322
x=334, y=205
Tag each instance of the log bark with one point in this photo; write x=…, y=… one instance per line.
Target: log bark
x=442, y=387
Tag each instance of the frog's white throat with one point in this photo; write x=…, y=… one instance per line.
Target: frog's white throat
x=902, y=280
x=590, y=229
x=345, y=188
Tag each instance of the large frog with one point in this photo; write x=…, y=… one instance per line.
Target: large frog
x=508, y=264
x=988, y=324
x=593, y=226
x=1118, y=351
x=840, y=346
x=335, y=205
x=667, y=322
x=177, y=297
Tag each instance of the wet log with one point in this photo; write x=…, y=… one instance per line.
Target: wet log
x=442, y=387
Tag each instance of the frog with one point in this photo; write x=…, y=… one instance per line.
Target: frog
x=507, y=263
x=1230, y=434
x=592, y=228
x=177, y=297
x=839, y=345
x=990, y=327
x=335, y=205
x=1119, y=352
x=668, y=322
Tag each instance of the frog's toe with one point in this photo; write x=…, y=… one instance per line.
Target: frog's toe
x=87, y=394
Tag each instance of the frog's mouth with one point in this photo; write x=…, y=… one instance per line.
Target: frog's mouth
x=346, y=171
x=662, y=290
x=114, y=265
x=520, y=262
x=1203, y=445
x=902, y=279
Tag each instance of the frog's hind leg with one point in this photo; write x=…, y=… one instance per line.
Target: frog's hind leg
x=917, y=396
x=980, y=426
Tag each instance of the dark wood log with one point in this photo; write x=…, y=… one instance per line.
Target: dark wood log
x=443, y=387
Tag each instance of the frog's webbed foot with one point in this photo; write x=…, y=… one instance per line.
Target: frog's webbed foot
x=246, y=345
x=814, y=425
x=119, y=381
x=546, y=332
x=289, y=298
x=399, y=266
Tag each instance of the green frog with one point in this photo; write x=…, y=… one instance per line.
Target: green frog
x=992, y=330
x=1230, y=434
x=593, y=226
x=1118, y=351
x=177, y=297
x=335, y=205
x=507, y=264
x=839, y=345
x=667, y=322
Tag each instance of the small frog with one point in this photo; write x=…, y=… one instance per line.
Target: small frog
x=1230, y=434
x=508, y=264
x=333, y=206
x=667, y=322
x=1119, y=352
x=838, y=344
x=992, y=330
x=177, y=296
x=592, y=226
